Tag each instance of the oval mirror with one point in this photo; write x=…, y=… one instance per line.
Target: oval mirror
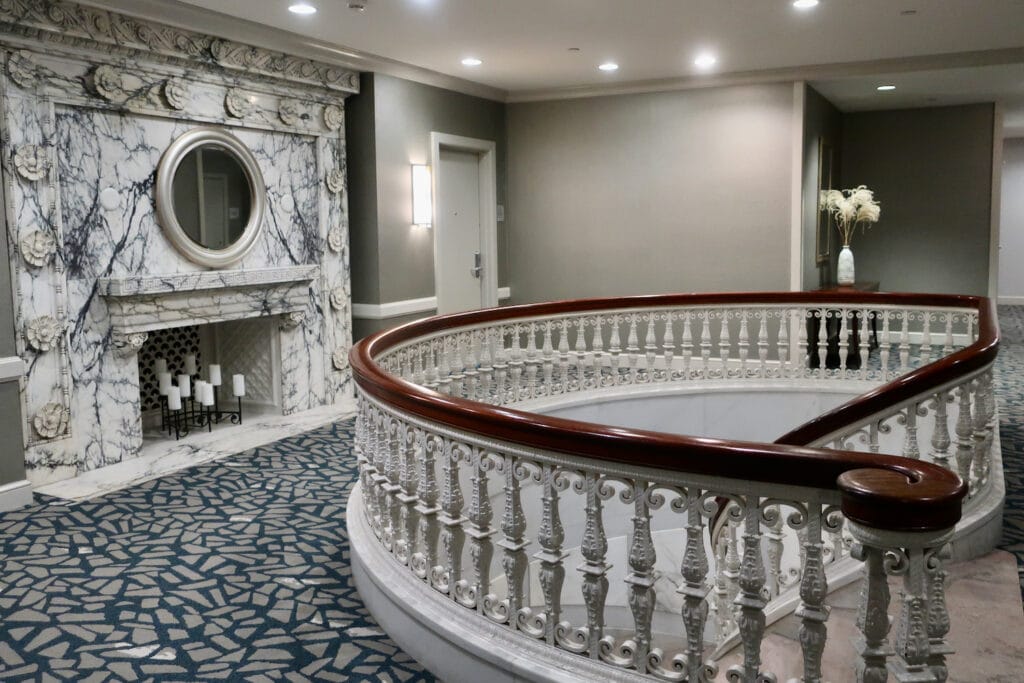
x=210, y=197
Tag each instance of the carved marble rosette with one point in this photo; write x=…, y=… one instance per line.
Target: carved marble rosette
x=22, y=69
x=176, y=93
x=339, y=298
x=237, y=104
x=334, y=117
x=335, y=180
x=107, y=82
x=51, y=421
x=336, y=240
x=43, y=333
x=32, y=161
x=340, y=358
x=38, y=247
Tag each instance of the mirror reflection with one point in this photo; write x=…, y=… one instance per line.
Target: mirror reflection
x=212, y=197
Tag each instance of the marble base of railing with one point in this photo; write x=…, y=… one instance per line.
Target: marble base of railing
x=163, y=456
x=442, y=636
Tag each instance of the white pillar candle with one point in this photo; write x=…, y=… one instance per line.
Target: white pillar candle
x=215, y=375
x=164, y=379
x=238, y=384
x=185, y=385
x=207, y=394
x=160, y=366
x=174, y=398
x=190, y=364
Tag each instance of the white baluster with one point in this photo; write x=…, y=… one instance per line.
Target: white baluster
x=750, y=601
x=947, y=346
x=633, y=347
x=785, y=316
x=724, y=342
x=425, y=559
x=515, y=365
x=548, y=355
x=865, y=341
x=823, y=341
x=844, y=342
x=743, y=342
x=886, y=345
x=905, y=342
x=650, y=347
x=479, y=531
x=594, y=567
x=872, y=617
x=926, y=338
x=694, y=570
x=487, y=366
x=668, y=344
x=550, y=536
x=615, y=349
x=940, y=434
x=908, y=418
x=563, y=355
x=452, y=534
x=687, y=347
x=531, y=360
x=705, y=343
x=812, y=611
x=762, y=344
x=513, y=544
x=500, y=368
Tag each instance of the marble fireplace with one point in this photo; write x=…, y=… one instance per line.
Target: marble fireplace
x=91, y=102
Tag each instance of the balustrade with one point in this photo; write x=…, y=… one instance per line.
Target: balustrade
x=741, y=509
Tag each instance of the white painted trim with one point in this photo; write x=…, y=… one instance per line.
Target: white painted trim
x=810, y=72
x=487, y=154
x=11, y=368
x=996, y=203
x=796, y=195
x=16, y=494
x=1011, y=300
x=395, y=309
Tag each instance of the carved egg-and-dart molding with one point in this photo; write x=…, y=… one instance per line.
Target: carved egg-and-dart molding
x=336, y=240
x=176, y=93
x=340, y=358
x=237, y=104
x=339, y=298
x=32, y=161
x=43, y=333
x=107, y=82
x=290, y=112
x=22, y=69
x=335, y=180
x=334, y=117
x=38, y=247
x=51, y=420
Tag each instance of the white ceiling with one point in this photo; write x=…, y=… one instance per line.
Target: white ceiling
x=945, y=51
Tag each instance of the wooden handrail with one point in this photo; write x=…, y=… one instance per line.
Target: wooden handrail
x=880, y=491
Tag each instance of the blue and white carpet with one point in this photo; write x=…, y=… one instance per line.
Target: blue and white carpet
x=233, y=571
x=238, y=570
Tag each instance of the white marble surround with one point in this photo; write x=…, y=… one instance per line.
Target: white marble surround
x=90, y=100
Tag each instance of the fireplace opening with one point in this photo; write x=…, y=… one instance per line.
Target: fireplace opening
x=249, y=348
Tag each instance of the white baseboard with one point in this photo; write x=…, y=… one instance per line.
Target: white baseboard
x=16, y=494
x=395, y=309
x=1011, y=300
x=11, y=368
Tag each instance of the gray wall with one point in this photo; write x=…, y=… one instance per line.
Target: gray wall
x=931, y=169
x=392, y=260
x=361, y=145
x=821, y=120
x=1011, y=220
x=12, y=455
x=661, y=192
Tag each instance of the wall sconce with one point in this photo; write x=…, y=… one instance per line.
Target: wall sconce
x=422, y=196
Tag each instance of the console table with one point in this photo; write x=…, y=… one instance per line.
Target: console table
x=832, y=331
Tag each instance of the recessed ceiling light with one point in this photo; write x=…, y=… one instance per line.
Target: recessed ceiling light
x=302, y=8
x=705, y=60
x=886, y=87
x=805, y=4
x=609, y=66
x=471, y=61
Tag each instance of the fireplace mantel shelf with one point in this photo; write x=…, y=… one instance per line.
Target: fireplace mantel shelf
x=142, y=304
x=217, y=279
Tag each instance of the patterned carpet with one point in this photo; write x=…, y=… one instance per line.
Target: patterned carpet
x=1010, y=391
x=233, y=571
x=238, y=571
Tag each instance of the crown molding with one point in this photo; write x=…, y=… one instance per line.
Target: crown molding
x=190, y=17
x=815, y=72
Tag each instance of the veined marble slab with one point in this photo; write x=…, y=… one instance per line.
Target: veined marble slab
x=162, y=457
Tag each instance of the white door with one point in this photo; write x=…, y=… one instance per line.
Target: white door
x=459, y=260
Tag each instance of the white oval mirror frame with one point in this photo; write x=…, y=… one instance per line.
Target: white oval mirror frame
x=169, y=163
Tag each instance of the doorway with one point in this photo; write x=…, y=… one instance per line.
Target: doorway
x=465, y=223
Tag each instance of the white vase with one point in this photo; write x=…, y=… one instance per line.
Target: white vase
x=844, y=276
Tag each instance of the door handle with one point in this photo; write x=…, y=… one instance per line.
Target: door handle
x=477, y=267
